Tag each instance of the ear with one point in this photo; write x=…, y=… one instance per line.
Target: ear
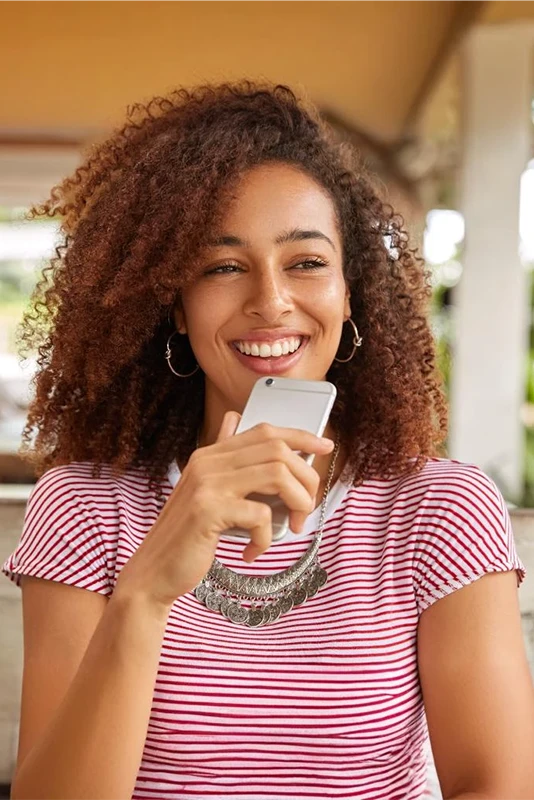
x=346, y=308
x=177, y=314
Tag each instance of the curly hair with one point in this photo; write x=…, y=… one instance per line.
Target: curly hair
x=136, y=214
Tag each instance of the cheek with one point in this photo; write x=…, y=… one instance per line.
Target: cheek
x=329, y=301
x=204, y=314
x=334, y=294
x=210, y=317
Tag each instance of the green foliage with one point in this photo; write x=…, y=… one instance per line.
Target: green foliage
x=527, y=499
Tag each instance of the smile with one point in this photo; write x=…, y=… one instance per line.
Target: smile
x=282, y=347
x=273, y=358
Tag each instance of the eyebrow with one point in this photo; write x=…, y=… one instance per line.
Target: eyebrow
x=293, y=235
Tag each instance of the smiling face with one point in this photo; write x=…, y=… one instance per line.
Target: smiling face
x=272, y=280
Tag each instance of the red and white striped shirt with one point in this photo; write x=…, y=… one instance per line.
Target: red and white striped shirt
x=323, y=703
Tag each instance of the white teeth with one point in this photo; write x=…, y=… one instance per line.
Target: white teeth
x=274, y=350
x=266, y=350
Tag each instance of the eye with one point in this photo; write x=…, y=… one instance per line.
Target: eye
x=219, y=270
x=310, y=264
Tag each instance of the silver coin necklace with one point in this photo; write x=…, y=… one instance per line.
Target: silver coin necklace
x=255, y=601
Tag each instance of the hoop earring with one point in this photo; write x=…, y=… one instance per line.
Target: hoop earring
x=357, y=342
x=168, y=355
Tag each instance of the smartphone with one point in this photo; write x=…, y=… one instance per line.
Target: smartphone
x=287, y=403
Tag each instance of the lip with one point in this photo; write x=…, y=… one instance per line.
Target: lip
x=273, y=365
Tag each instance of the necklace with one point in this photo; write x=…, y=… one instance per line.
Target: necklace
x=261, y=600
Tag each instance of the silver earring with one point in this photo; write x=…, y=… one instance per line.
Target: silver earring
x=168, y=353
x=357, y=342
x=168, y=357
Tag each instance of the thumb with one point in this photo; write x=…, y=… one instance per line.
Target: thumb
x=229, y=424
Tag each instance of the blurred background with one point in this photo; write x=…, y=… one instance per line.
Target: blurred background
x=439, y=97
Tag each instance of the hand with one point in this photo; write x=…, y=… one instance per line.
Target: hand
x=211, y=496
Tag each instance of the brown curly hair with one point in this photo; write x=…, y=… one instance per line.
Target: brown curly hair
x=135, y=216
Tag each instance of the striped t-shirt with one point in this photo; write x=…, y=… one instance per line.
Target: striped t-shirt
x=326, y=701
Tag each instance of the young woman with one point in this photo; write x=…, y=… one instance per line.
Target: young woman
x=220, y=235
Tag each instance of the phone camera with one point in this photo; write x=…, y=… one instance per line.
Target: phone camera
x=269, y=382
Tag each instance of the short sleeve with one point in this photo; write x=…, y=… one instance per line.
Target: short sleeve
x=463, y=532
x=60, y=540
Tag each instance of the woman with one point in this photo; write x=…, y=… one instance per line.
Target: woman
x=220, y=235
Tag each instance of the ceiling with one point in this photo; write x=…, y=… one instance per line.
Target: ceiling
x=71, y=68
x=507, y=10
x=383, y=70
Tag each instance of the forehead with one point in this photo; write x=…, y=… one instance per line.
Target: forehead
x=277, y=197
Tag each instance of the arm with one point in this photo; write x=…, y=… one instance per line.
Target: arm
x=89, y=745
x=478, y=692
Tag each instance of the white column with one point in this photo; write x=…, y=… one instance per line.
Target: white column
x=491, y=300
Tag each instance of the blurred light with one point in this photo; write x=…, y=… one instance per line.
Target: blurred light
x=445, y=229
x=450, y=273
x=27, y=240
x=393, y=251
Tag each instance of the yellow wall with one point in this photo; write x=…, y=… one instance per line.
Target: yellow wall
x=71, y=66
x=508, y=10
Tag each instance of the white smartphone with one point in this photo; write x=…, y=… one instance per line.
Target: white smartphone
x=287, y=403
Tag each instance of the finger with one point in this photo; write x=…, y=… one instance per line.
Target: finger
x=229, y=424
x=269, y=453
x=253, y=517
x=274, y=478
x=251, y=552
x=297, y=520
x=296, y=438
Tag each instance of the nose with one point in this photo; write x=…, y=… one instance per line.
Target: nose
x=269, y=296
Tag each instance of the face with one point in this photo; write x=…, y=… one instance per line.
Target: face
x=270, y=283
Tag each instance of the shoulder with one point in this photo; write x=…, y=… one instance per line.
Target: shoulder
x=452, y=482
x=441, y=481
x=440, y=471
x=108, y=502
x=79, y=479
x=80, y=526
x=448, y=504
x=455, y=499
x=461, y=529
x=462, y=521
